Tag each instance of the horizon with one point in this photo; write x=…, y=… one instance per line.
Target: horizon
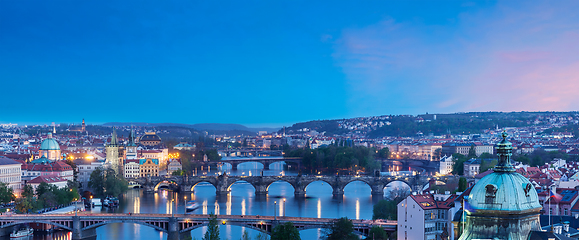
x=278, y=63
x=271, y=125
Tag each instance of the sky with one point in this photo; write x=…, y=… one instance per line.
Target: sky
x=275, y=63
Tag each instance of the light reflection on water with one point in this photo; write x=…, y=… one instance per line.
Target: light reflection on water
x=356, y=203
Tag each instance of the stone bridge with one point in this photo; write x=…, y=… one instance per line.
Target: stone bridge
x=223, y=183
x=177, y=226
x=266, y=161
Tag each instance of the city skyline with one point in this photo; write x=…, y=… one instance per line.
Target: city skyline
x=275, y=64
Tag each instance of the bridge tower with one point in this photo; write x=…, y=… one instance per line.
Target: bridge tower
x=112, y=150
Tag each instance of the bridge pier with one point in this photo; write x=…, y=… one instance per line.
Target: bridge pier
x=260, y=190
x=186, y=188
x=337, y=191
x=78, y=233
x=173, y=229
x=299, y=193
x=265, y=165
x=234, y=166
x=378, y=190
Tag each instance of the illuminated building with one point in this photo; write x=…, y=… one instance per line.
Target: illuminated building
x=10, y=173
x=149, y=167
x=112, y=150
x=49, y=149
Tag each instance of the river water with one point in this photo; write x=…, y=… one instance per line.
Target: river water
x=356, y=203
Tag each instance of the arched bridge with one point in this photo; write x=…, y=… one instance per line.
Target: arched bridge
x=223, y=183
x=177, y=226
x=266, y=161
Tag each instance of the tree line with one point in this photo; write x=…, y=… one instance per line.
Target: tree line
x=340, y=229
x=332, y=158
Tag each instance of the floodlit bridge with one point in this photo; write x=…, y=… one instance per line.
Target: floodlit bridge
x=223, y=183
x=266, y=161
x=177, y=226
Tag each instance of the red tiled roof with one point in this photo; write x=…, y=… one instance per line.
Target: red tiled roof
x=47, y=179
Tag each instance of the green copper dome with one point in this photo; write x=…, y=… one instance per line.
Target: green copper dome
x=504, y=189
x=502, y=205
x=500, y=191
x=49, y=144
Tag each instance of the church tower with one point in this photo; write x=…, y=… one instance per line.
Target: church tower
x=113, y=154
x=83, y=129
x=131, y=148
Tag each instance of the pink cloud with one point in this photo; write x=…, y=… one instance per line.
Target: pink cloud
x=509, y=58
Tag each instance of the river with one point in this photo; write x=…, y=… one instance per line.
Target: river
x=356, y=203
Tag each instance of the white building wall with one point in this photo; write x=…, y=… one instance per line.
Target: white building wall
x=11, y=174
x=410, y=220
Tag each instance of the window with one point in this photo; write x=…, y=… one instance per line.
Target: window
x=491, y=190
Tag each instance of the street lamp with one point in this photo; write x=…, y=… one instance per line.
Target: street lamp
x=172, y=212
x=275, y=211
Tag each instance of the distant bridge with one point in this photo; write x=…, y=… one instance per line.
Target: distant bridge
x=223, y=183
x=266, y=161
x=177, y=226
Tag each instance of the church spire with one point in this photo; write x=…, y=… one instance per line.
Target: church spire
x=114, y=142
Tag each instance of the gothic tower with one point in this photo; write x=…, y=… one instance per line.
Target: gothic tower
x=83, y=126
x=131, y=148
x=113, y=154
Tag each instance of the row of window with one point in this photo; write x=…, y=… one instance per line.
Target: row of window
x=10, y=170
x=9, y=179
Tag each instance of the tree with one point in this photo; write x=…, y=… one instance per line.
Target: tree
x=471, y=152
x=377, y=233
x=28, y=191
x=245, y=236
x=24, y=205
x=261, y=236
x=458, y=165
x=212, y=232
x=487, y=164
x=461, y=184
x=384, y=153
x=6, y=193
x=385, y=209
x=341, y=229
x=106, y=182
x=285, y=231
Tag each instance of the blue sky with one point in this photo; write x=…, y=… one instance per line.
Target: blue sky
x=274, y=63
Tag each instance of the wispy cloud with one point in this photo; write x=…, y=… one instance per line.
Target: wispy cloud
x=505, y=58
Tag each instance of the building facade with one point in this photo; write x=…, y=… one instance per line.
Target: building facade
x=132, y=169
x=149, y=167
x=10, y=173
x=425, y=216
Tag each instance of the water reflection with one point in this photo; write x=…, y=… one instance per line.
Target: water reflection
x=356, y=203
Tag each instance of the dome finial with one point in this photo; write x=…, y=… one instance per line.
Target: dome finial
x=505, y=135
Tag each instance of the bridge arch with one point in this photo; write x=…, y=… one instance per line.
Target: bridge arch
x=100, y=224
x=240, y=181
x=38, y=221
x=280, y=180
x=194, y=184
x=396, y=190
x=357, y=180
x=165, y=183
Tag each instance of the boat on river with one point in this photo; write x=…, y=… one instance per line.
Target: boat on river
x=22, y=233
x=191, y=205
